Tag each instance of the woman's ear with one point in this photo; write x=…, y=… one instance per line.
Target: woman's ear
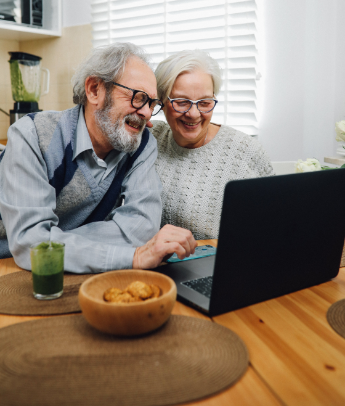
x=95, y=91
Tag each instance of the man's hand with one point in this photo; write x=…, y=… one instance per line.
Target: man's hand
x=149, y=124
x=168, y=240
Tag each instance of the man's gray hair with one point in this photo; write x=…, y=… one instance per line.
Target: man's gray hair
x=107, y=63
x=186, y=61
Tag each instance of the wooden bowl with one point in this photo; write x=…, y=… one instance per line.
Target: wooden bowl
x=126, y=319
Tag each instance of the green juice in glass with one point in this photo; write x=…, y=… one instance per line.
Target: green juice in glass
x=47, y=266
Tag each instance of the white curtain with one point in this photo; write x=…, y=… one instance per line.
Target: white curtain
x=226, y=29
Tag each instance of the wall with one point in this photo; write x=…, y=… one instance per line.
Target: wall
x=6, y=101
x=304, y=77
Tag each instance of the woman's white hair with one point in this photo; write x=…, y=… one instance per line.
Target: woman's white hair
x=185, y=61
x=107, y=63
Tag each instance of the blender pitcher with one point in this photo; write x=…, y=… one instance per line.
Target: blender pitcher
x=26, y=83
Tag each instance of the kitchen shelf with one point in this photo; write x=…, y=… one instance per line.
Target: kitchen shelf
x=21, y=32
x=17, y=32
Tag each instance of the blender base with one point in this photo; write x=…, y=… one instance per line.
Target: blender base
x=21, y=109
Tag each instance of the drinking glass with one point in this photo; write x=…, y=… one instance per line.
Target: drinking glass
x=47, y=267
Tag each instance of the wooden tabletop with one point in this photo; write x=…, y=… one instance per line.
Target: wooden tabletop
x=295, y=356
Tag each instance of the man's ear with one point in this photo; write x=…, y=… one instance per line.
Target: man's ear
x=95, y=91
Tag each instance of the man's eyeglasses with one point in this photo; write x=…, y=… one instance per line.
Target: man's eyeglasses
x=184, y=105
x=140, y=98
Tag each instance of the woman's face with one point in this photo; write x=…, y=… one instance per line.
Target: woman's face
x=190, y=129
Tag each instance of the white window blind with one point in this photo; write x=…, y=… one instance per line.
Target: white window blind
x=226, y=29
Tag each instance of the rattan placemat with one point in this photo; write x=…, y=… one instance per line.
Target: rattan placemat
x=16, y=295
x=62, y=361
x=336, y=317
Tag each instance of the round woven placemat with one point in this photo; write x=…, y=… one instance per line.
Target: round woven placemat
x=16, y=295
x=336, y=317
x=62, y=361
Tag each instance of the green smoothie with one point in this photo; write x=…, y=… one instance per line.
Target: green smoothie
x=47, y=266
x=19, y=91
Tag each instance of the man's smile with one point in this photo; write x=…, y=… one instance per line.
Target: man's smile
x=134, y=122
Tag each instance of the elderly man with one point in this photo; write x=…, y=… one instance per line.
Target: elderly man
x=86, y=176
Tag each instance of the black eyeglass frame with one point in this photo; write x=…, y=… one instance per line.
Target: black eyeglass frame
x=196, y=102
x=149, y=100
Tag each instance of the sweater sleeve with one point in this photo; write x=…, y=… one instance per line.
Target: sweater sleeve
x=260, y=161
x=27, y=204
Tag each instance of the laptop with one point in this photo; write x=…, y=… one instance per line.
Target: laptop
x=277, y=235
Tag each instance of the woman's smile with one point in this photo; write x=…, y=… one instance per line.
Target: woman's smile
x=190, y=125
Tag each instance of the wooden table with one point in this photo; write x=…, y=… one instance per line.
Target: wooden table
x=296, y=357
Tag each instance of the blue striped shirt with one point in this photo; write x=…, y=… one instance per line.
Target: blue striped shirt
x=28, y=203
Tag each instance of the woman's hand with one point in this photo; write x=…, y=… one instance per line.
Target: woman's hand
x=168, y=240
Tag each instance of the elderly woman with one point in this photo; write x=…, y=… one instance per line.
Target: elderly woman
x=196, y=158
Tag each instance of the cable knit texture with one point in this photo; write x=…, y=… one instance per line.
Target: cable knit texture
x=194, y=179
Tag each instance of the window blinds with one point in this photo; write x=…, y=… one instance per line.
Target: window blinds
x=226, y=29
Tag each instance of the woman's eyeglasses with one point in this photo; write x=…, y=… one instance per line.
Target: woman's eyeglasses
x=184, y=105
x=140, y=98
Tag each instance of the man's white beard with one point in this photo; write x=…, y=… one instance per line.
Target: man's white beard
x=115, y=132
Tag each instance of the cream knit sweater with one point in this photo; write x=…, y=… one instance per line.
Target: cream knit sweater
x=194, y=179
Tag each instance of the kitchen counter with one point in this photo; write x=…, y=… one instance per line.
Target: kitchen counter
x=334, y=160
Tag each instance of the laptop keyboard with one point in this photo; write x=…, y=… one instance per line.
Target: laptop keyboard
x=201, y=285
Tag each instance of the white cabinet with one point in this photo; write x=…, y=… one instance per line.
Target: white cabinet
x=51, y=25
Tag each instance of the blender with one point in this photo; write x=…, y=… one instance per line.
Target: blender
x=26, y=73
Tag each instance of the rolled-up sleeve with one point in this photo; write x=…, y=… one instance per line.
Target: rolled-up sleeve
x=28, y=202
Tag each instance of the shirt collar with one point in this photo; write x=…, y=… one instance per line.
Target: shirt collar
x=82, y=137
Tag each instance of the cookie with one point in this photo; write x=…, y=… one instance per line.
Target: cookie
x=156, y=291
x=125, y=297
x=139, y=289
x=111, y=293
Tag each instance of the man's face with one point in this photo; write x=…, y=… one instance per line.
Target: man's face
x=118, y=120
